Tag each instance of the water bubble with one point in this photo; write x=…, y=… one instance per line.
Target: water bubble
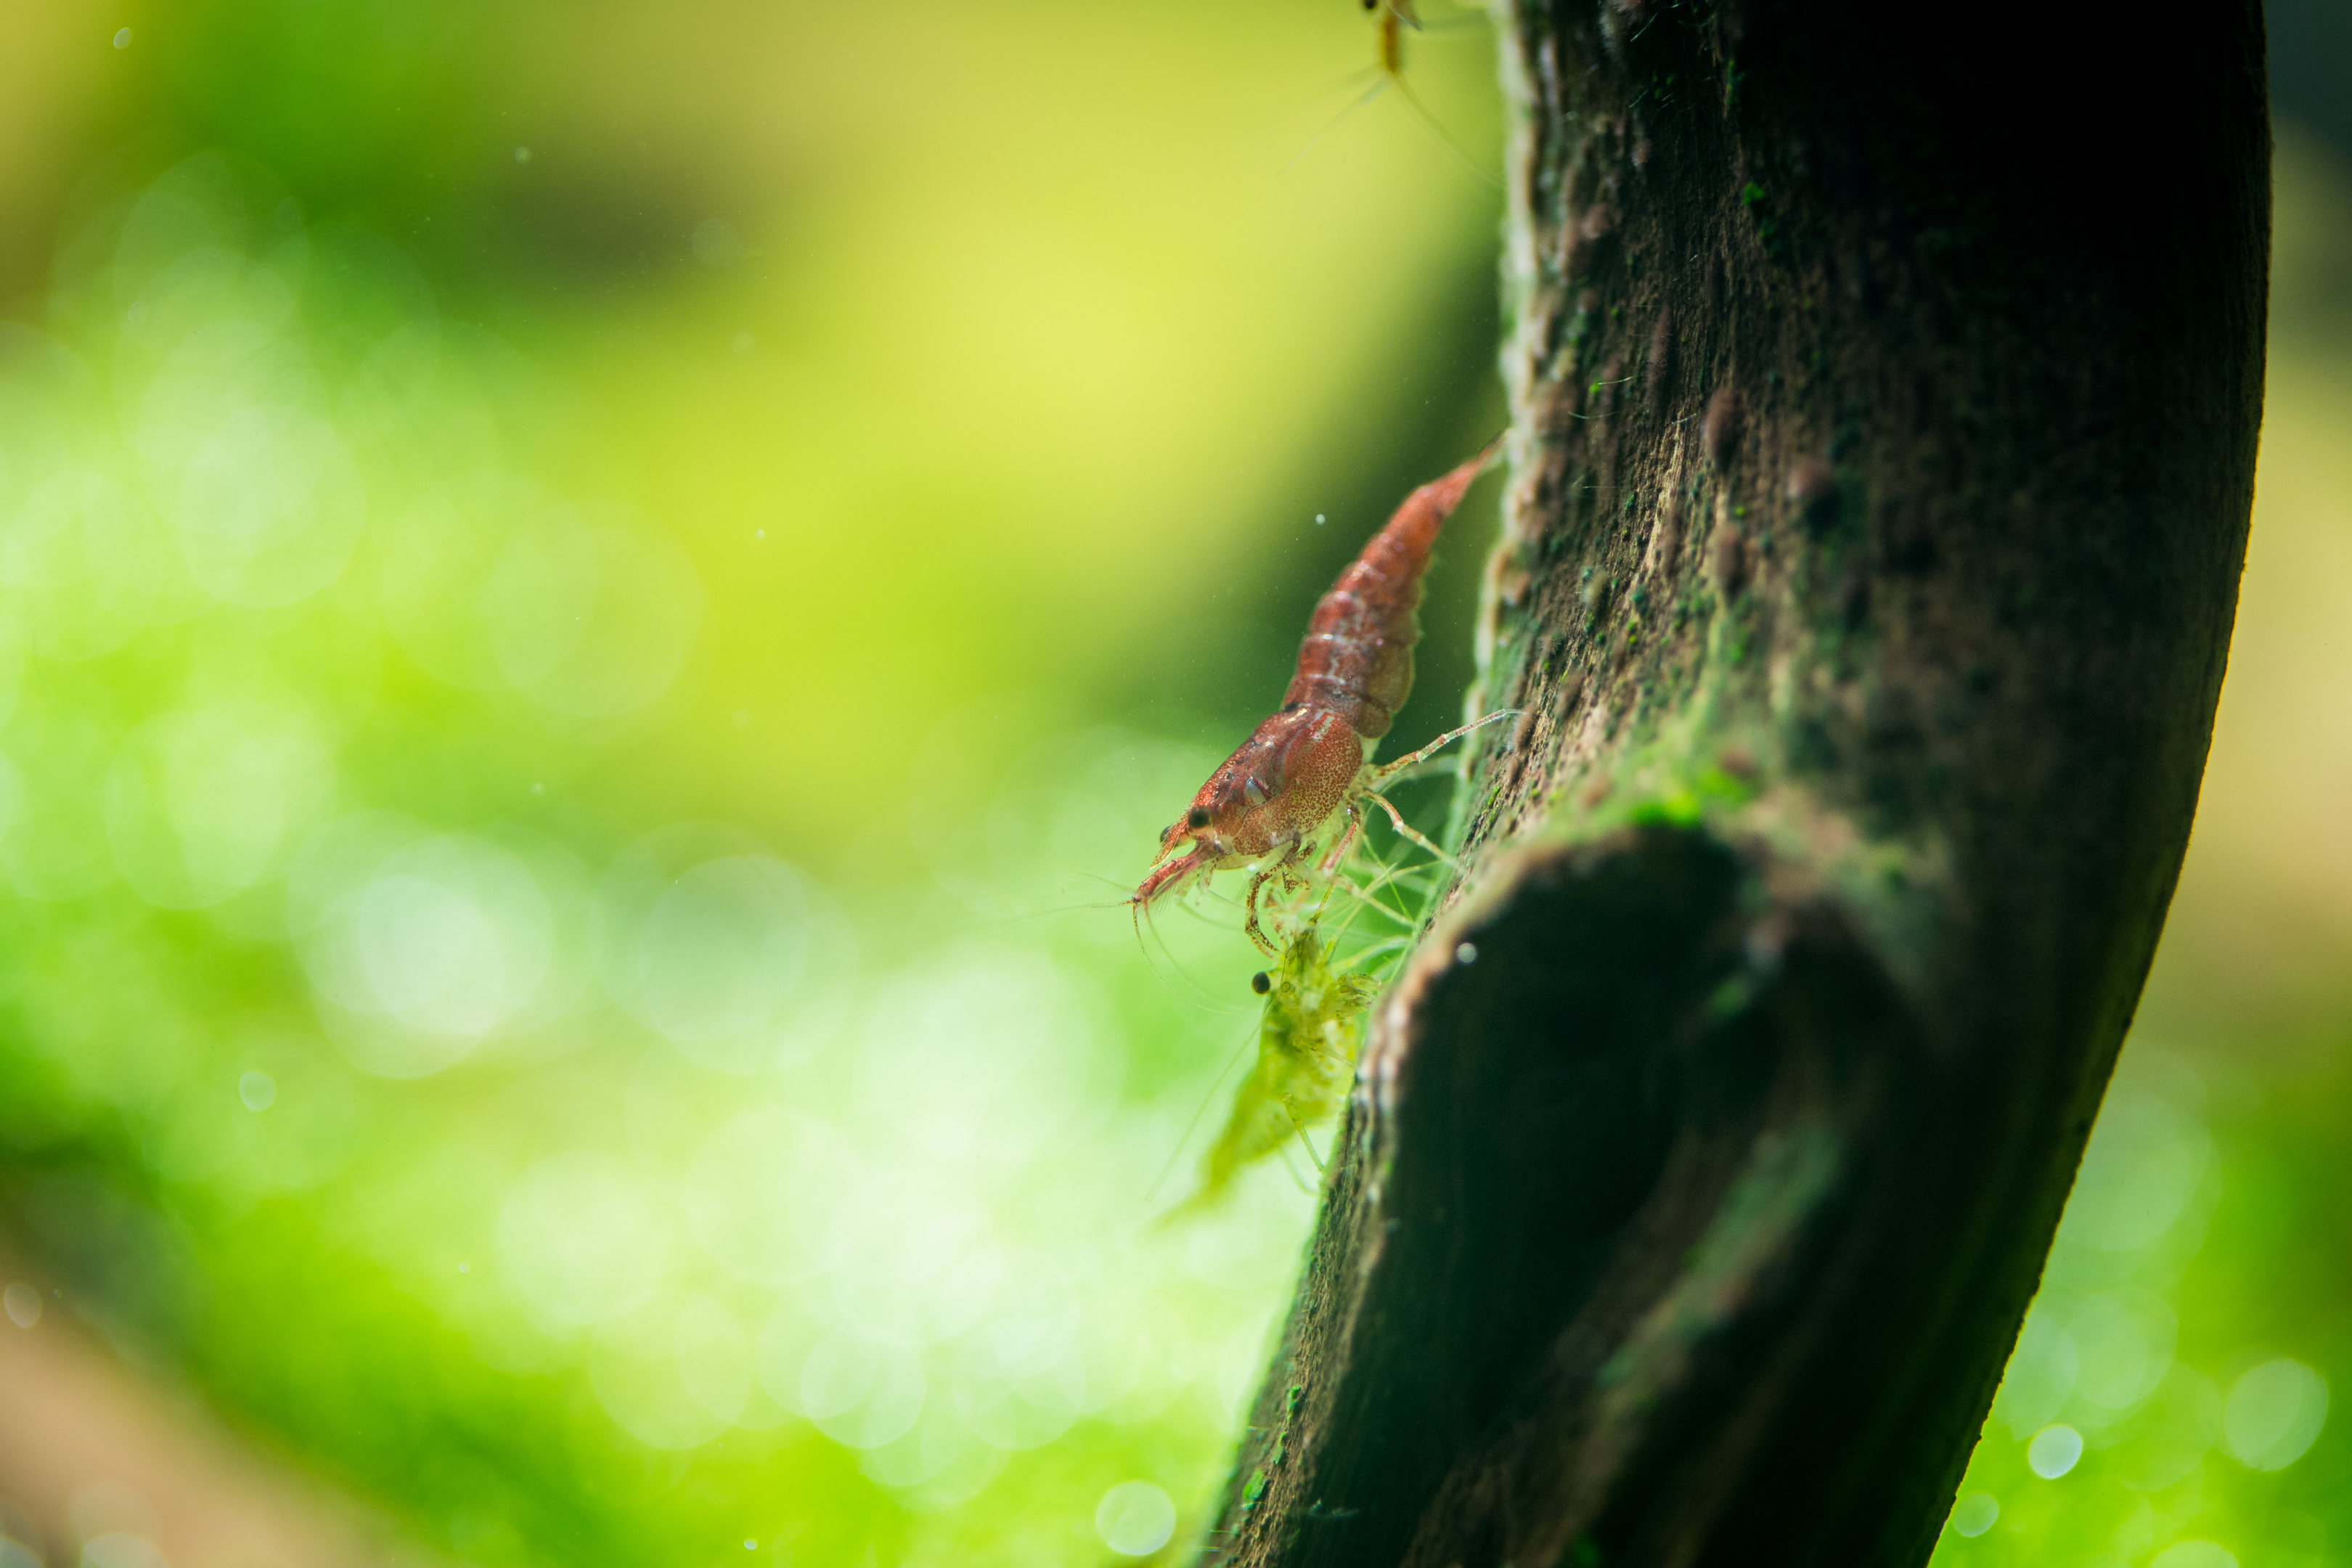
x=122, y=38
x=522, y=154
x=258, y=1089
x=23, y=1305
x=1974, y=1514
x=591, y=612
x=2275, y=1414
x=581, y=1239
x=1135, y=1519
x=2053, y=1451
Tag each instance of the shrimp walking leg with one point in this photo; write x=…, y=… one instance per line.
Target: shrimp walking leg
x=1388, y=770
x=1407, y=831
x=1280, y=867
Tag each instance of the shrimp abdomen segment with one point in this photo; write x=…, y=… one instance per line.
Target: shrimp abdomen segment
x=1357, y=659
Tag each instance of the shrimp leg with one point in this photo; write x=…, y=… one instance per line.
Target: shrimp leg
x=1388, y=770
x=1280, y=867
x=1406, y=830
x=1346, y=841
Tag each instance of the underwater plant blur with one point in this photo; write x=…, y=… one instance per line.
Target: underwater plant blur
x=598, y=606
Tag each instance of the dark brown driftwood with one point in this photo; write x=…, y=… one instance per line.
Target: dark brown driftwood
x=1885, y=382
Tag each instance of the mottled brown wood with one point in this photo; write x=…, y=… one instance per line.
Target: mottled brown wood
x=1885, y=383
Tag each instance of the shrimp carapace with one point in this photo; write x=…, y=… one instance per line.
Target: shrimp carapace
x=1310, y=761
x=1310, y=1034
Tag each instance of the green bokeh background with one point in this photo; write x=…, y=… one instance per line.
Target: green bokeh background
x=597, y=603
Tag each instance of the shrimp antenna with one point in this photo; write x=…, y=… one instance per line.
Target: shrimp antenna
x=1362, y=99
x=1461, y=155
x=1144, y=916
x=1199, y=1111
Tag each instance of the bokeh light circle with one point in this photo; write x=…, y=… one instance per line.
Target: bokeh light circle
x=2275, y=1414
x=583, y=1238
x=1135, y=1519
x=591, y=611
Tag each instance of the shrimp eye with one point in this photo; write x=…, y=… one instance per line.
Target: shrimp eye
x=1261, y=982
x=1197, y=817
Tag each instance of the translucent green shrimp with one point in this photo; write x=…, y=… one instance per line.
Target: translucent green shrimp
x=1308, y=1036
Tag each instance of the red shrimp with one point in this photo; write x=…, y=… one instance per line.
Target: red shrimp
x=1311, y=761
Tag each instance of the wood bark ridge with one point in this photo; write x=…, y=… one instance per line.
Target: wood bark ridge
x=1885, y=383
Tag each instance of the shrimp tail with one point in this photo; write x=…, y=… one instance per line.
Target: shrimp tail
x=1357, y=658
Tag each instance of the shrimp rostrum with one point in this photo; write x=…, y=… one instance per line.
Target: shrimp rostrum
x=1306, y=770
